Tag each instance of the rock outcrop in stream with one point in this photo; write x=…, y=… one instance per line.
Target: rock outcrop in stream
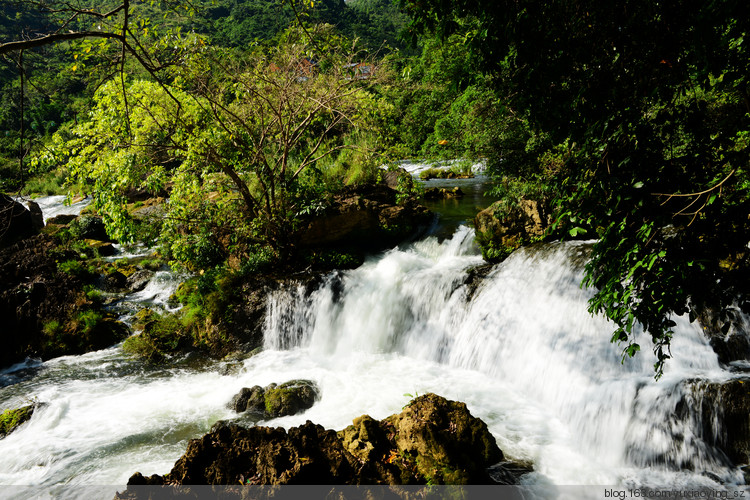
x=725, y=414
x=432, y=441
x=366, y=218
x=274, y=400
x=501, y=228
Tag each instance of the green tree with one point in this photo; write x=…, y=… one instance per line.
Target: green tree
x=652, y=100
x=231, y=138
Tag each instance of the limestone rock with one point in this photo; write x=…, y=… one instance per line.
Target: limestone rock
x=62, y=219
x=393, y=177
x=432, y=441
x=89, y=227
x=448, y=444
x=230, y=454
x=37, y=217
x=501, y=229
x=11, y=419
x=40, y=306
x=725, y=413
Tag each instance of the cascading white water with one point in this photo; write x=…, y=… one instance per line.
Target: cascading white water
x=520, y=349
x=53, y=206
x=599, y=420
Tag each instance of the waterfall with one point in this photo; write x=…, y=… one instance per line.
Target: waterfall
x=514, y=341
x=527, y=328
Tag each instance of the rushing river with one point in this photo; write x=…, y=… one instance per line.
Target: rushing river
x=521, y=350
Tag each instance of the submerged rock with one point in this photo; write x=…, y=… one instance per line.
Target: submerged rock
x=435, y=193
x=274, y=400
x=433, y=441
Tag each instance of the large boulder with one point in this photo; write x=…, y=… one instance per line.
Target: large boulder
x=16, y=221
x=229, y=454
x=89, y=227
x=446, y=444
x=37, y=217
x=397, y=178
x=369, y=218
x=725, y=414
x=433, y=441
x=502, y=228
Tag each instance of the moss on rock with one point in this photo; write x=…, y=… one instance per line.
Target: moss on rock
x=433, y=441
x=274, y=400
x=11, y=419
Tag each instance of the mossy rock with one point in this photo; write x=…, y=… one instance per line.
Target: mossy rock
x=446, y=444
x=11, y=419
x=251, y=399
x=103, y=248
x=290, y=398
x=274, y=400
x=162, y=337
x=433, y=441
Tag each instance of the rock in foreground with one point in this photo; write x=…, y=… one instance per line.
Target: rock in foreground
x=433, y=441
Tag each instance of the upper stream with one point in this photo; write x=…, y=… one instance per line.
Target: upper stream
x=518, y=347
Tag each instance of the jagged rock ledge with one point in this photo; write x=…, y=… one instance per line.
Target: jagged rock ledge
x=432, y=441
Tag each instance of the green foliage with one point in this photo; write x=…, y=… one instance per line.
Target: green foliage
x=93, y=294
x=236, y=177
x=443, y=107
x=77, y=268
x=52, y=328
x=333, y=259
x=652, y=102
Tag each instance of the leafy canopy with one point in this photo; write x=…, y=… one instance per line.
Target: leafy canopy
x=651, y=101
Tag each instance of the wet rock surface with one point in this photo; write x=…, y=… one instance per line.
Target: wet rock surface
x=138, y=280
x=432, y=441
x=725, y=414
x=11, y=419
x=274, y=400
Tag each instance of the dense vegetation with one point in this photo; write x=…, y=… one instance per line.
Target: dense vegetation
x=647, y=104
x=631, y=122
